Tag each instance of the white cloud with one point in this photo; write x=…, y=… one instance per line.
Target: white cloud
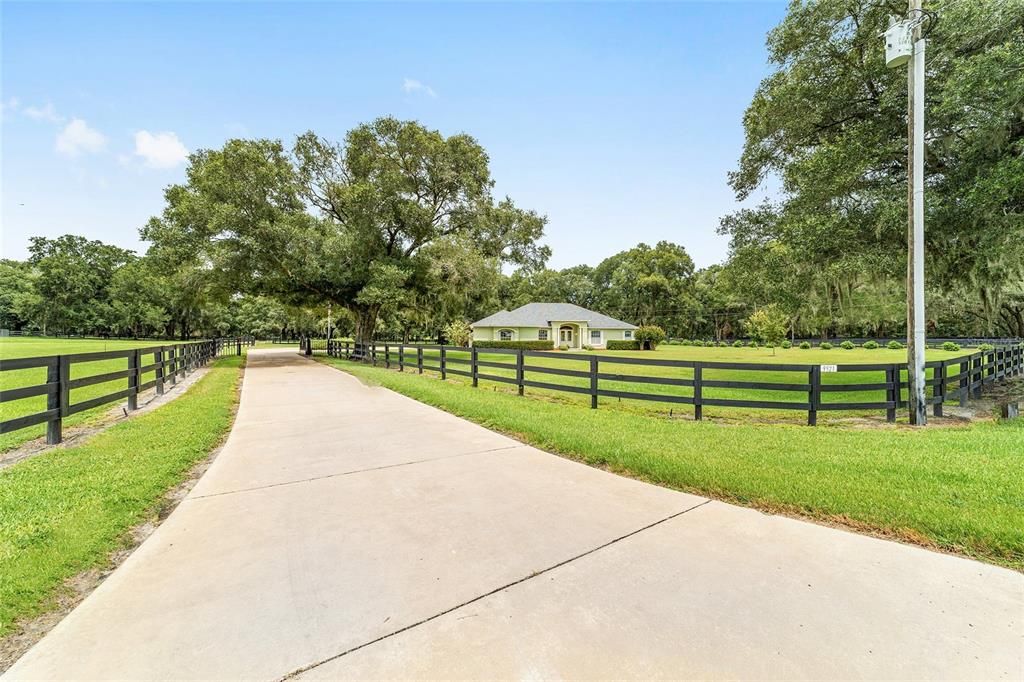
x=77, y=137
x=160, y=150
x=44, y=113
x=9, y=105
x=411, y=85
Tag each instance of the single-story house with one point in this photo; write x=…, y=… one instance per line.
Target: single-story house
x=562, y=323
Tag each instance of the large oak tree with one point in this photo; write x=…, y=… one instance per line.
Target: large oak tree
x=370, y=224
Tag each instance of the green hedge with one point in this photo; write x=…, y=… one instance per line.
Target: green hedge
x=623, y=345
x=524, y=345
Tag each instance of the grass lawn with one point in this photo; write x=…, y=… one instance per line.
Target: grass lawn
x=26, y=347
x=65, y=510
x=793, y=356
x=958, y=489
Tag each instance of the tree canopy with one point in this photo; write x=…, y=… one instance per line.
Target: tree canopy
x=829, y=125
x=381, y=225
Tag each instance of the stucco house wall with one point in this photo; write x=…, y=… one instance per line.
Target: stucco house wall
x=493, y=333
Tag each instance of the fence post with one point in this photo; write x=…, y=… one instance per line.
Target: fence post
x=401, y=357
x=309, y=346
x=980, y=373
x=593, y=382
x=444, y=367
x=54, y=427
x=814, y=395
x=387, y=356
x=133, y=380
x=520, y=371
x=892, y=380
x=172, y=364
x=238, y=349
x=939, y=388
x=964, y=382
x=698, y=391
x=474, y=368
x=158, y=359
x=419, y=359
x=65, y=389
x=373, y=353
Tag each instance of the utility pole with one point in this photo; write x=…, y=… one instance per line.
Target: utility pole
x=915, y=223
x=904, y=44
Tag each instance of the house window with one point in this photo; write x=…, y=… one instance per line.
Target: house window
x=628, y=334
x=542, y=335
x=595, y=336
x=505, y=335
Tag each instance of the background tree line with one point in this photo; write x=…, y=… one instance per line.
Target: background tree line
x=72, y=285
x=397, y=229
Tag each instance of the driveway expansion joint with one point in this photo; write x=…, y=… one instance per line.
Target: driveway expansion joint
x=350, y=473
x=295, y=673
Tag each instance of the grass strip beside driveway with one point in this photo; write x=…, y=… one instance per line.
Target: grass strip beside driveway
x=956, y=489
x=65, y=510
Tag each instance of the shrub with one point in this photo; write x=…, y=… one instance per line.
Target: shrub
x=752, y=343
x=825, y=345
x=685, y=342
x=587, y=346
x=698, y=343
x=787, y=344
x=623, y=345
x=723, y=344
x=649, y=336
x=737, y=344
x=894, y=345
x=950, y=346
x=985, y=347
x=805, y=345
x=847, y=345
x=525, y=345
x=458, y=333
x=564, y=346
x=870, y=345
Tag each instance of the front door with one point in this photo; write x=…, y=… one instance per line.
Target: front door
x=565, y=335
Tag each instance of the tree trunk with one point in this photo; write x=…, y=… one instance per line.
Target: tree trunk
x=366, y=323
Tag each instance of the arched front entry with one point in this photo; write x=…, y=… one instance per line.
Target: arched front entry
x=568, y=334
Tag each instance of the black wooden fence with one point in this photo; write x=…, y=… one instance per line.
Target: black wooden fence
x=956, y=379
x=932, y=341
x=168, y=363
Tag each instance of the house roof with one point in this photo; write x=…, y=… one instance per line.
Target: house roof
x=543, y=314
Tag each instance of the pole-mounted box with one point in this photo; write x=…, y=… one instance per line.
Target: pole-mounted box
x=899, y=43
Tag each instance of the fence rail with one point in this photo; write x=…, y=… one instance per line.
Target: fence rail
x=956, y=379
x=167, y=363
x=931, y=342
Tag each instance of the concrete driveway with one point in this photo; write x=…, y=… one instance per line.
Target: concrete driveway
x=349, y=532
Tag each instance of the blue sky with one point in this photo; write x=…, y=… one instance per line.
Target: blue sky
x=617, y=121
